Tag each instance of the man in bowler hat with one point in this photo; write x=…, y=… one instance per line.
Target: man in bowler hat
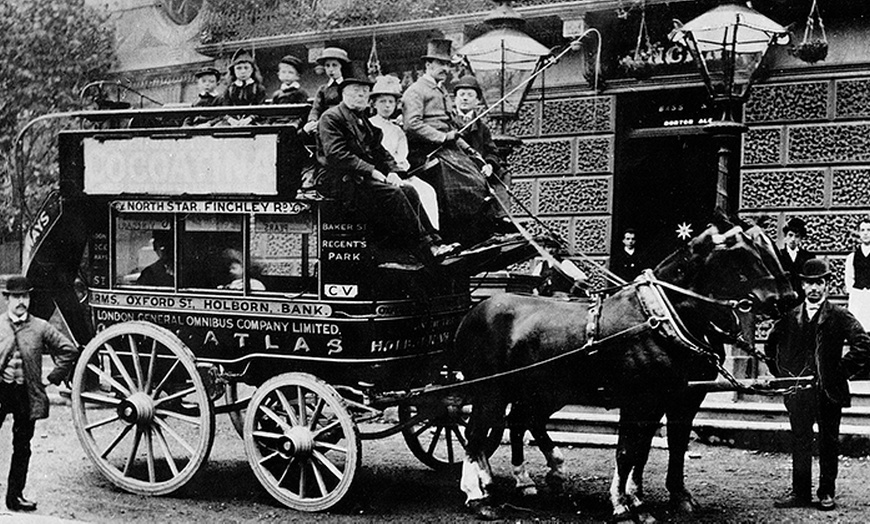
x=23, y=339
x=792, y=256
x=808, y=341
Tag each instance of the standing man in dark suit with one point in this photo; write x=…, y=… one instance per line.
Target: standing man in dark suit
x=808, y=341
x=363, y=175
x=23, y=339
x=625, y=262
x=793, y=256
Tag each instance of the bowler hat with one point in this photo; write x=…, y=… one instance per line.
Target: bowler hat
x=208, y=70
x=333, y=53
x=387, y=85
x=293, y=61
x=796, y=226
x=468, y=82
x=814, y=269
x=17, y=285
x=241, y=56
x=439, y=49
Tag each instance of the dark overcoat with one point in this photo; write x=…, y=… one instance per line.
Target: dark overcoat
x=836, y=327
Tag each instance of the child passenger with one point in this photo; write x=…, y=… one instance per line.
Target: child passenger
x=333, y=60
x=384, y=97
x=246, y=86
x=290, y=92
x=206, y=82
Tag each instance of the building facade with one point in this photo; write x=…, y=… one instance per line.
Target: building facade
x=629, y=153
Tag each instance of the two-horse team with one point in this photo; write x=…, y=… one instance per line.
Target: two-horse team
x=635, y=349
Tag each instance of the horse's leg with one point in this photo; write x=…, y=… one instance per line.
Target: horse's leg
x=524, y=483
x=634, y=484
x=681, y=413
x=621, y=510
x=476, y=472
x=553, y=455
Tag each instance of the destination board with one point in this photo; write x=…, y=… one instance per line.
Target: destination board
x=210, y=206
x=260, y=307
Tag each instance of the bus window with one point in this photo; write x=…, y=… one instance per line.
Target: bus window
x=144, y=250
x=284, y=247
x=204, y=240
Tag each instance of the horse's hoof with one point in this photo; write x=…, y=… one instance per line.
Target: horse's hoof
x=556, y=482
x=684, y=504
x=482, y=510
x=622, y=516
x=645, y=518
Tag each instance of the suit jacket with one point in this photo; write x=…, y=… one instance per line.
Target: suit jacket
x=428, y=113
x=326, y=96
x=349, y=147
x=252, y=94
x=33, y=337
x=836, y=326
x=625, y=265
x=479, y=137
x=291, y=95
x=794, y=268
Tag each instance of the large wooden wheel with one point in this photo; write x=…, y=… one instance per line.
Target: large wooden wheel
x=301, y=442
x=439, y=441
x=141, y=409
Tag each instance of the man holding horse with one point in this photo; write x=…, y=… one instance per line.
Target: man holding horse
x=808, y=341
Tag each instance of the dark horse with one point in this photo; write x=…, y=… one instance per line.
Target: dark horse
x=636, y=350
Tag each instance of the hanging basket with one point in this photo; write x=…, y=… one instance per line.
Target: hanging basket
x=641, y=63
x=814, y=47
x=811, y=52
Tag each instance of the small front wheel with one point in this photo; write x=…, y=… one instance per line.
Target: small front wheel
x=301, y=442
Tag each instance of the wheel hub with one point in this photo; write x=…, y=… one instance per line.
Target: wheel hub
x=298, y=441
x=138, y=408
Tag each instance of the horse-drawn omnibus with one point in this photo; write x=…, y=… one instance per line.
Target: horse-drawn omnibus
x=204, y=274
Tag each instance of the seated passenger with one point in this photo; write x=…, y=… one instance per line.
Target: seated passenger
x=362, y=175
x=246, y=86
x=206, y=81
x=333, y=60
x=162, y=272
x=232, y=260
x=290, y=91
x=468, y=213
x=385, y=96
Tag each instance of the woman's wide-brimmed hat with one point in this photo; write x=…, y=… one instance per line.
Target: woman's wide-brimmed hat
x=333, y=53
x=814, y=269
x=387, y=85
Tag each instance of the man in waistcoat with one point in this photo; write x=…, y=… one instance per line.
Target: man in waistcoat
x=808, y=341
x=23, y=340
x=857, y=275
x=792, y=256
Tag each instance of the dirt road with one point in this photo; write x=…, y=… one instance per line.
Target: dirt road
x=734, y=486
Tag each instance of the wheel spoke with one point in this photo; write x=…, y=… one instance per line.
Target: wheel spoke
x=100, y=399
x=137, y=366
x=133, y=449
x=269, y=457
x=317, y=412
x=434, y=442
x=267, y=434
x=285, y=404
x=332, y=468
x=326, y=428
x=165, y=378
x=318, y=478
x=184, y=418
x=331, y=446
x=152, y=359
x=164, y=447
x=423, y=427
x=301, y=480
x=120, y=365
x=448, y=441
x=178, y=394
x=149, y=450
x=114, y=383
x=115, y=442
x=300, y=398
x=163, y=425
x=274, y=416
x=103, y=422
x=286, y=469
x=460, y=438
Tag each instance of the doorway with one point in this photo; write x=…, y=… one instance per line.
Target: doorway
x=664, y=179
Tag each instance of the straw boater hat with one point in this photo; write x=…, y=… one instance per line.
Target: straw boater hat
x=814, y=269
x=439, y=49
x=468, y=82
x=796, y=226
x=387, y=85
x=17, y=285
x=334, y=53
x=292, y=61
x=208, y=70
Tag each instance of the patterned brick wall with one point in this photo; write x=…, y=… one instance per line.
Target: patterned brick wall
x=807, y=155
x=563, y=171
